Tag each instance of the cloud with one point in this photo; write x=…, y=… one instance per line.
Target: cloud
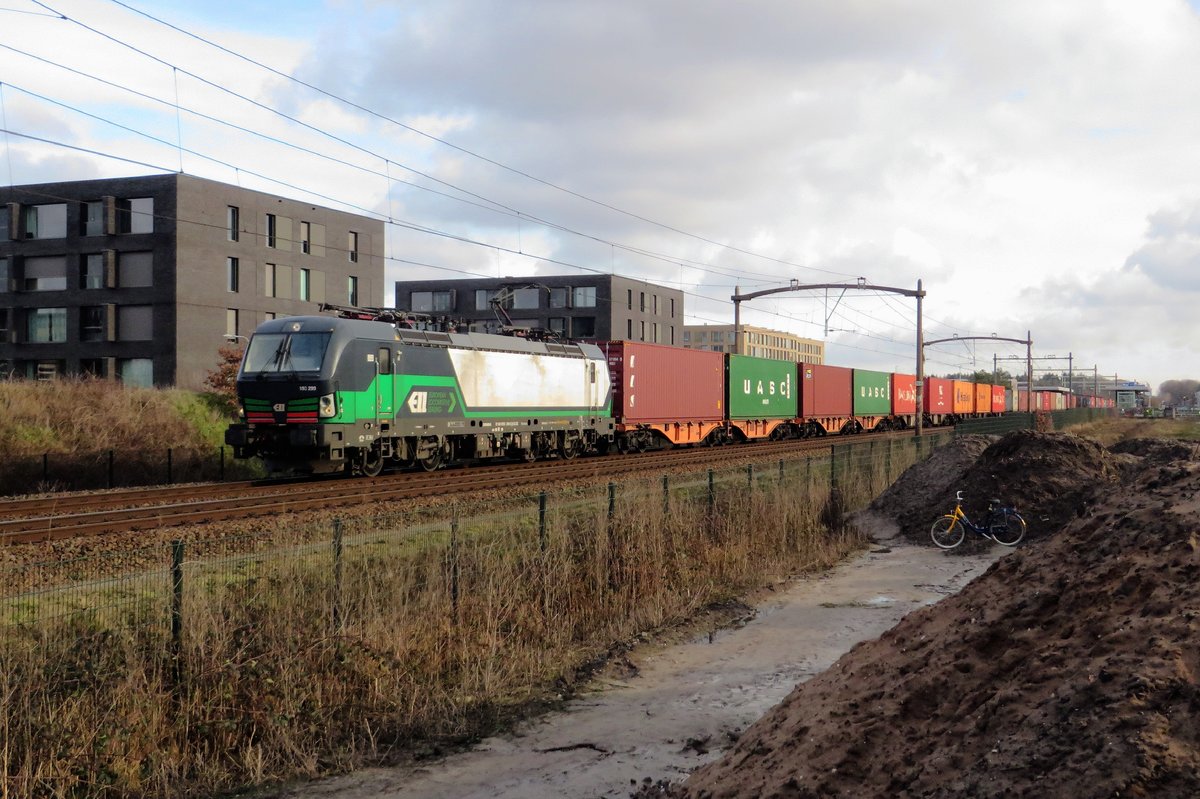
x=1171, y=255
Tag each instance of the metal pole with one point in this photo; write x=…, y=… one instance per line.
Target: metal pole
x=920, y=365
x=1029, y=369
x=737, y=319
x=1070, y=376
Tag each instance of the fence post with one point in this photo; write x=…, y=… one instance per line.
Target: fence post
x=177, y=609
x=781, y=471
x=337, y=575
x=712, y=493
x=542, y=521
x=666, y=484
x=833, y=466
x=454, y=566
x=222, y=463
x=169, y=453
x=612, y=501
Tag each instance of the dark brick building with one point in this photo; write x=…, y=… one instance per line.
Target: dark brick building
x=141, y=278
x=574, y=306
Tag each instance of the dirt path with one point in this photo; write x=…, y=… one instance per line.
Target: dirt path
x=678, y=707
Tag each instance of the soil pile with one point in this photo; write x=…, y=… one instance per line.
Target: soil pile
x=1050, y=477
x=1069, y=669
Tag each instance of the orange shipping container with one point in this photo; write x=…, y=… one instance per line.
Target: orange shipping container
x=964, y=396
x=983, y=398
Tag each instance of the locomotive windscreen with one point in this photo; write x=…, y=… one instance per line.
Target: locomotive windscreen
x=285, y=352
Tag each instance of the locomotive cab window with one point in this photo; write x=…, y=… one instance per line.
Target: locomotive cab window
x=270, y=353
x=384, y=359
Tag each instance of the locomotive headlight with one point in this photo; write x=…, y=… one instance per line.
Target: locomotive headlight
x=327, y=407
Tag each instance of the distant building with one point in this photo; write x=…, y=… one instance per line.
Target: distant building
x=141, y=278
x=760, y=342
x=572, y=306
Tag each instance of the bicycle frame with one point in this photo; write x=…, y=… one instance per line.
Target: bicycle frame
x=960, y=516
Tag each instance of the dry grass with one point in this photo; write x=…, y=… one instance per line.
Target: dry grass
x=75, y=423
x=1107, y=432
x=447, y=632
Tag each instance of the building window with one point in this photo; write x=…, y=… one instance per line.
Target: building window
x=654, y=333
x=656, y=305
x=4, y=275
x=270, y=225
x=93, y=218
x=231, y=274
x=91, y=323
x=583, y=326
x=672, y=342
x=629, y=329
x=483, y=299
x=44, y=221
x=525, y=299
x=352, y=289
x=642, y=330
x=135, y=323
x=91, y=367
x=135, y=270
x=305, y=238
x=672, y=307
x=431, y=301
x=135, y=216
x=585, y=297
x=46, y=274
x=559, y=297
x=269, y=276
x=305, y=285
x=558, y=325
x=91, y=272
x=352, y=247
x=136, y=371
x=231, y=321
x=46, y=325
x=642, y=302
x=268, y=316
x=629, y=298
x=233, y=222
x=5, y=329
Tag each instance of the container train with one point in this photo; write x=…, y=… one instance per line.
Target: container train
x=323, y=394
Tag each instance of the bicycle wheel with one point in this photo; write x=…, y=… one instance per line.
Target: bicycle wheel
x=1010, y=530
x=947, y=532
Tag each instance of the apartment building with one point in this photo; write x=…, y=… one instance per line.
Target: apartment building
x=142, y=279
x=571, y=306
x=760, y=342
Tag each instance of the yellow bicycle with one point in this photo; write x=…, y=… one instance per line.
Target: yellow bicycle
x=1003, y=525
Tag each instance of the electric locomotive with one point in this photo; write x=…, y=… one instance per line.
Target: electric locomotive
x=325, y=394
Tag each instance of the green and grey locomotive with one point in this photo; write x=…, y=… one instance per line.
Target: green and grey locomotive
x=324, y=394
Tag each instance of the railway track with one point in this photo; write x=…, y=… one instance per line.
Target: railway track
x=77, y=515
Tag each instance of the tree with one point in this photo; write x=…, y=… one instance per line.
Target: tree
x=222, y=380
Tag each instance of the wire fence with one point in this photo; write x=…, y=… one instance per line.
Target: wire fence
x=88, y=471
x=322, y=640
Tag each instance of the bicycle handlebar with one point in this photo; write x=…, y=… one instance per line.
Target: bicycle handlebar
x=958, y=496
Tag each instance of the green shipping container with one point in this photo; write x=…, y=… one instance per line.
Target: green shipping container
x=872, y=393
x=762, y=388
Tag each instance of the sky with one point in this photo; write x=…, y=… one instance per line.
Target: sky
x=1033, y=164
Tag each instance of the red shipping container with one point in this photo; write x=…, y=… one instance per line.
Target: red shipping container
x=658, y=383
x=998, y=400
x=983, y=397
x=826, y=390
x=1045, y=400
x=904, y=394
x=939, y=395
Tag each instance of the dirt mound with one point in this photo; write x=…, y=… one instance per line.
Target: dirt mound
x=921, y=492
x=1158, y=450
x=1070, y=668
x=1050, y=477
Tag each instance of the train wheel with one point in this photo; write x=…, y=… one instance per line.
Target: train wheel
x=433, y=462
x=370, y=461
